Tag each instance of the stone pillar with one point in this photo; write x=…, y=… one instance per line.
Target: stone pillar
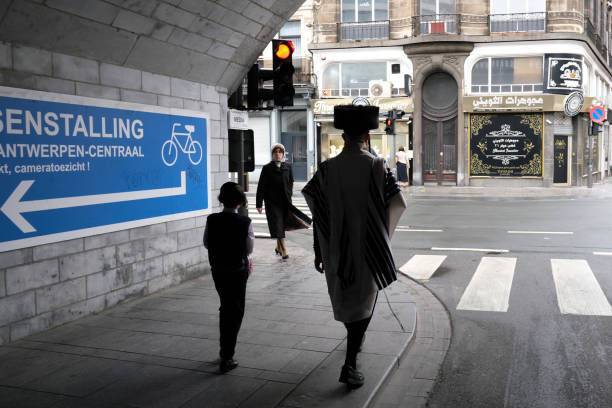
x=474, y=15
x=400, y=19
x=565, y=16
x=326, y=20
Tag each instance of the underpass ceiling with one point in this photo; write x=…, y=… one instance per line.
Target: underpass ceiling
x=212, y=42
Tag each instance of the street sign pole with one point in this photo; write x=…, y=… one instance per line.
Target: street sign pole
x=590, y=161
x=597, y=115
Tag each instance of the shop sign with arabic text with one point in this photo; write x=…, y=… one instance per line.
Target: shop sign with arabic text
x=507, y=103
x=506, y=144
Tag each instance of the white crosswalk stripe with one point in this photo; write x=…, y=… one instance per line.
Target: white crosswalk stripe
x=422, y=266
x=260, y=222
x=489, y=289
x=578, y=291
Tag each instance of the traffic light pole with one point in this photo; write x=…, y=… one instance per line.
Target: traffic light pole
x=241, y=182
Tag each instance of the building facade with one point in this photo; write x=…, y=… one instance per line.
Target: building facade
x=496, y=93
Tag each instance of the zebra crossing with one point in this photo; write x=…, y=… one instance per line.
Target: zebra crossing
x=259, y=221
x=577, y=289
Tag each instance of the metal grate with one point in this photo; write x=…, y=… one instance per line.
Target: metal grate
x=518, y=22
x=436, y=24
x=369, y=30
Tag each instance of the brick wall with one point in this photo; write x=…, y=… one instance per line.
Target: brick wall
x=48, y=285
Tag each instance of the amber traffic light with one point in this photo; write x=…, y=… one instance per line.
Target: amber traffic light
x=284, y=50
x=282, y=67
x=390, y=123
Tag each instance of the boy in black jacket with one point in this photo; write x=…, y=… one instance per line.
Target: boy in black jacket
x=229, y=239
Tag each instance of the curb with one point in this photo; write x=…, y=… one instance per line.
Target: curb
x=418, y=367
x=388, y=374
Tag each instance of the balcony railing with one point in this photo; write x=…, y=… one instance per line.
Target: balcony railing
x=593, y=34
x=514, y=88
x=368, y=30
x=518, y=22
x=436, y=24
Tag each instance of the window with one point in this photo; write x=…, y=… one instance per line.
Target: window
x=437, y=17
x=517, y=15
x=511, y=74
x=359, y=74
x=354, y=11
x=292, y=31
x=331, y=76
x=592, y=10
x=352, y=78
x=364, y=20
x=429, y=7
x=517, y=6
x=480, y=76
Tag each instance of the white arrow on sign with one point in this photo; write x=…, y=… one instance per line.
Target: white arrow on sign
x=13, y=207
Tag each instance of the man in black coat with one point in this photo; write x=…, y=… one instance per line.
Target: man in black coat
x=275, y=188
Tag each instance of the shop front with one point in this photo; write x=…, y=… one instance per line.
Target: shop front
x=527, y=141
x=329, y=139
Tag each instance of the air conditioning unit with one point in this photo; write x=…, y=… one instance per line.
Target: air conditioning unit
x=379, y=89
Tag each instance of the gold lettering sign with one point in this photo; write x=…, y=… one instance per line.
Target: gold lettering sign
x=532, y=102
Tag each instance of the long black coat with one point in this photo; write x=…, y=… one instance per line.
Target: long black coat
x=275, y=188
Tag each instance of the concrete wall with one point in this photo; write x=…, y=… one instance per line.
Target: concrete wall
x=43, y=286
x=176, y=53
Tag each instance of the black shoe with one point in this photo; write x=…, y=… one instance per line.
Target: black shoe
x=286, y=257
x=351, y=377
x=276, y=251
x=227, y=365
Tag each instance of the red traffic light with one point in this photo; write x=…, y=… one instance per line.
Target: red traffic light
x=284, y=50
x=388, y=122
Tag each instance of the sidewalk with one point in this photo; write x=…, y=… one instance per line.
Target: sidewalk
x=599, y=190
x=159, y=351
x=602, y=190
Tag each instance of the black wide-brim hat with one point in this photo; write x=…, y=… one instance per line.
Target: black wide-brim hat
x=352, y=118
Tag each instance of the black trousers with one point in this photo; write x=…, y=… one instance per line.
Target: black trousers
x=355, y=332
x=231, y=287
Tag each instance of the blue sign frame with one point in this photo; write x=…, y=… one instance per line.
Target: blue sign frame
x=72, y=166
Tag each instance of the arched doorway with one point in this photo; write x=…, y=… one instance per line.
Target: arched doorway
x=439, y=128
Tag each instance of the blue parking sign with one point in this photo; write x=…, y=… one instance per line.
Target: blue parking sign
x=73, y=166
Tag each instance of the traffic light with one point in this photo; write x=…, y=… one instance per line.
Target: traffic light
x=390, y=123
x=595, y=129
x=255, y=91
x=248, y=149
x=392, y=115
x=282, y=67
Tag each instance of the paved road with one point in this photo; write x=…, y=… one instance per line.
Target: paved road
x=530, y=309
x=529, y=299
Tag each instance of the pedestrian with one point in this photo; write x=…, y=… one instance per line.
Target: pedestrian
x=402, y=164
x=356, y=205
x=229, y=239
x=275, y=188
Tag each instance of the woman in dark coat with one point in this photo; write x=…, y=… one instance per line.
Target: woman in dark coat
x=275, y=188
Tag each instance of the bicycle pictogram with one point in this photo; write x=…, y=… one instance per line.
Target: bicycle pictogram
x=191, y=147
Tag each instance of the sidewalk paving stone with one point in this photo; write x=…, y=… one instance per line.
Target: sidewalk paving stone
x=161, y=350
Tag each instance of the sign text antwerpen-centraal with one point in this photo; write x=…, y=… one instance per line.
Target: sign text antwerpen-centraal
x=72, y=167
